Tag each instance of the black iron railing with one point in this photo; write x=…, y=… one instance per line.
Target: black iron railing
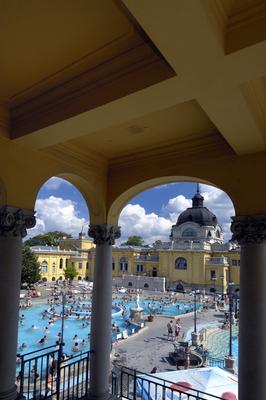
x=131, y=384
x=48, y=373
x=216, y=362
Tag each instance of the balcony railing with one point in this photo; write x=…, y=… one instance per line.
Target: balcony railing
x=131, y=384
x=47, y=374
x=217, y=261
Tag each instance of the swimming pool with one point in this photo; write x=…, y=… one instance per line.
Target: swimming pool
x=74, y=324
x=218, y=344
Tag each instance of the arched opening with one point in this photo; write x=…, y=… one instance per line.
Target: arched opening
x=129, y=284
x=123, y=264
x=79, y=278
x=146, y=285
x=180, y=263
x=53, y=278
x=44, y=279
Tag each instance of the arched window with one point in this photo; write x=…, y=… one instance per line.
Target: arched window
x=123, y=264
x=209, y=234
x=180, y=263
x=113, y=264
x=44, y=279
x=53, y=267
x=189, y=232
x=146, y=285
x=53, y=278
x=218, y=234
x=44, y=267
x=61, y=263
x=87, y=265
x=79, y=278
x=66, y=262
x=129, y=284
x=60, y=278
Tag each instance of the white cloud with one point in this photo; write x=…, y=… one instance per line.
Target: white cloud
x=135, y=221
x=55, y=213
x=54, y=183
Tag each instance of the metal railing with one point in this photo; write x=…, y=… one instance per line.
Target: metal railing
x=131, y=384
x=46, y=372
x=216, y=362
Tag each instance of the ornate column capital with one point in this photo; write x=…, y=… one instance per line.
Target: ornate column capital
x=104, y=233
x=15, y=221
x=250, y=229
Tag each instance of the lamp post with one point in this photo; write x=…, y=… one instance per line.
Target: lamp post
x=230, y=285
x=195, y=335
x=222, y=278
x=195, y=311
x=214, y=279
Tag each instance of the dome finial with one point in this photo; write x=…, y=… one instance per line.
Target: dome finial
x=198, y=188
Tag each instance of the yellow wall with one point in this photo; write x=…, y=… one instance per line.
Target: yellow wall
x=198, y=270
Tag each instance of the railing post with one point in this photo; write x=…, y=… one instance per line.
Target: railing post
x=87, y=373
x=58, y=375
x=22, y=370
x=135, y=385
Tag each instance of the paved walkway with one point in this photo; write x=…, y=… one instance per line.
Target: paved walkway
x=150, y=348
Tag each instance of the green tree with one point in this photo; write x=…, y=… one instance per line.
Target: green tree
x=47, y=239
x=134, y=241
x=31, y=270
x=70, y=272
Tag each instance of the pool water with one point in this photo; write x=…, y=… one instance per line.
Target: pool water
x=218, y=344
x=74, y=326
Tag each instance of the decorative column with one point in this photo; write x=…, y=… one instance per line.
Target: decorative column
x=104, y=237
x=13, y=224
x=250, y=232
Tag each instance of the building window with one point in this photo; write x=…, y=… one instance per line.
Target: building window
x=236, y=263
x=79, y=278
x=73, y=264
x=60, y=278
x=113, y=264
x=44, y=267
x=53, y=278
x=180, y=263
x=44, y=279
x=146, y=285
x=140, y=268
x=53, y=268
x=61, y=263
x=80, y=265
x=87, y=265
x=129, y=284
x=213, y=274
x=66, y=262
x=123, y=264
x=189, y=233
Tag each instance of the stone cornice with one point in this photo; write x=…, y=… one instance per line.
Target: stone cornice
x=104, y=233
x=249, y=229
x=15, y=221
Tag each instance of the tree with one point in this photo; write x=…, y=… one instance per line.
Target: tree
x=70, y=272
x=134, y=241
x=31, y=270
x=47, y=239
x=157, y=244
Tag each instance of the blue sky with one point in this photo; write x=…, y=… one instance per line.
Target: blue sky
x=60, y=206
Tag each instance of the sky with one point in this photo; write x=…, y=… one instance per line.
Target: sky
x=151, y=214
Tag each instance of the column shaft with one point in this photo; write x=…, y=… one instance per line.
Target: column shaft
x=100, y=345
x=250, y=232
x=101, y=323
x=13, y=224
x=10, y=275
x=252, y=344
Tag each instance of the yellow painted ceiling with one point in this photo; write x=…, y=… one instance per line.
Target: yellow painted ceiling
x=185, y=121
x=38, y=39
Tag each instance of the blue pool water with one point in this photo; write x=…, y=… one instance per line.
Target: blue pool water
x=74, y=326
x=218, y=344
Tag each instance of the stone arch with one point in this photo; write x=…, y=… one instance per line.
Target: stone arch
x=94, y=195
x=116, y=206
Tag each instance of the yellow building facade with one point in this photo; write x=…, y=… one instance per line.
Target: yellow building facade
x=196, y=256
